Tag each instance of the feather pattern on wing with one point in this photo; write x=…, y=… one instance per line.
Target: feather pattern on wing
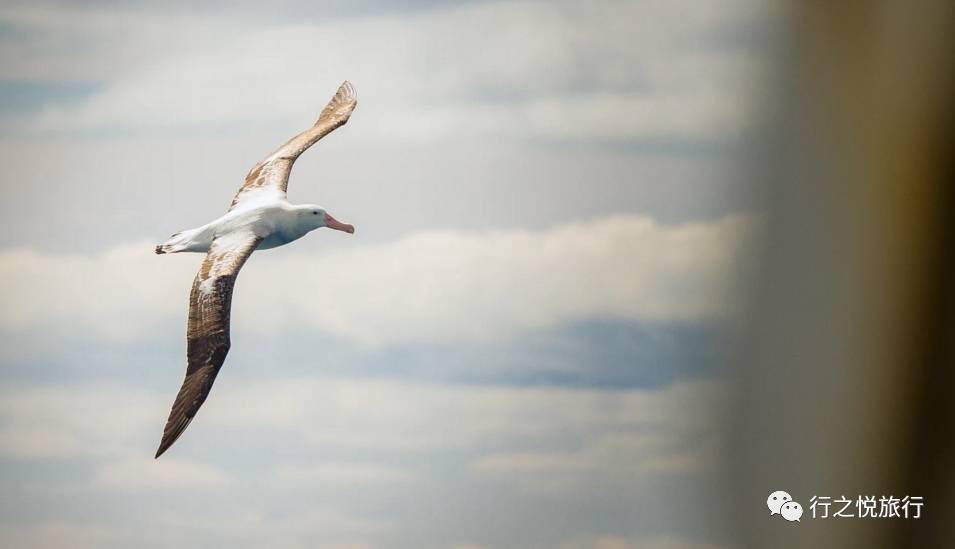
x=273, y=171
x=207, y=333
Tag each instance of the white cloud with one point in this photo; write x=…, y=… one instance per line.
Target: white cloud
x=110, y=291
x=398, y=438
x=325, y=528
x=555, y=70
x=341, y=473
x=54, y=534
x=446, y=285
x=537, y=432
x=683, y=439
x=481, y=286
x=413, y=417
x=542, y=439
x=610, y=453
x=146, y=474
x=48, y=422
x=247, y=525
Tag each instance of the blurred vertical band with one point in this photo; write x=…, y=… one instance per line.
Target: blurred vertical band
x=846, y=382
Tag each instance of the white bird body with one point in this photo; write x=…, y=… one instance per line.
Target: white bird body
x=268, y=215
x=260, y=217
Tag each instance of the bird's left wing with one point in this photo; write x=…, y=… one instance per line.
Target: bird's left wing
x=207, y=334
x=273, y=171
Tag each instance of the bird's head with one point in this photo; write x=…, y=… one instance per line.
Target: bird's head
x=316, y=217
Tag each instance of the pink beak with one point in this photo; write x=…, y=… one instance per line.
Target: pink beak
x=333, y=223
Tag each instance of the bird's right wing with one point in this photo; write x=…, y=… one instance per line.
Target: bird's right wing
x=207, y=334
x=273, y=171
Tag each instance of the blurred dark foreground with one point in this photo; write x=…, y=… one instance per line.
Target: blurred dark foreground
x=846, y=377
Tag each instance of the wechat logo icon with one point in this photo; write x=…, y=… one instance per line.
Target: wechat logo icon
x=781, y=503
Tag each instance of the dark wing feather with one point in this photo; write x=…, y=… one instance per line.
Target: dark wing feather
x=207, y=334
x=273, y=171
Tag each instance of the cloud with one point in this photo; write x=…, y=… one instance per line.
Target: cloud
x=615, y=70
x=685, y=443
x=325, y=528
x=543, y=439
x=55, y=533
x=222, y=524
x=536, y=430
x=53, y=422
x=341, y=473
x=634, y=454
x=146, y=474
x=432, y=286
x=484, y=286
x=373, y=462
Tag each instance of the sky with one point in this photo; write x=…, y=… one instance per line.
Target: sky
x=520, y=347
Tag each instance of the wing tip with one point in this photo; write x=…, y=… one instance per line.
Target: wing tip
x=163, y=446
x=166, y=444
x=350, y=93
x=170, y=436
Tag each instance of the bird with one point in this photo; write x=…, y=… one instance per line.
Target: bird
x=260, y=217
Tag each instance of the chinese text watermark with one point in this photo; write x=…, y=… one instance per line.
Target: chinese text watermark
x=862, y=506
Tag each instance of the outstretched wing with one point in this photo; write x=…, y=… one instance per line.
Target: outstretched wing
x=272, y=172
x=207, y=335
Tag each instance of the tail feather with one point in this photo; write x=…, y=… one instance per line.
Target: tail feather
x=176, y=243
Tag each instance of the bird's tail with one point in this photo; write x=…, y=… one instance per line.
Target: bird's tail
x=177, y=243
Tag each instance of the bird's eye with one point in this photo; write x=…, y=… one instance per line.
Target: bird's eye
x=314, y=213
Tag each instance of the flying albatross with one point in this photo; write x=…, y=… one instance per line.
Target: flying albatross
x=260, y=217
